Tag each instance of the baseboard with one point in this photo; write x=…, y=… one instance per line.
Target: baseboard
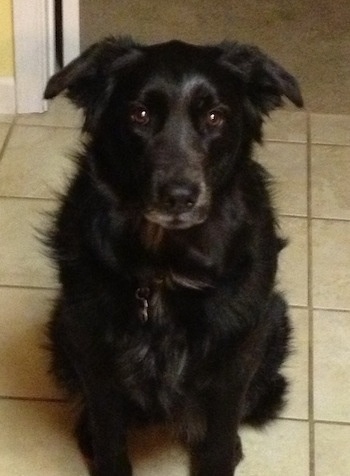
x=7, y=95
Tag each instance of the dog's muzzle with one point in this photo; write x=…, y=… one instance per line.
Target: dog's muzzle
x=179, y=205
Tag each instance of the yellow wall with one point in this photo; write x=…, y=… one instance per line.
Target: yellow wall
x=6, y=38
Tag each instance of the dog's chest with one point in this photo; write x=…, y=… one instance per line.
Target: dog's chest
x=152, y=360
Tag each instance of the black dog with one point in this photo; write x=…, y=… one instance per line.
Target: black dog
x=167, y=248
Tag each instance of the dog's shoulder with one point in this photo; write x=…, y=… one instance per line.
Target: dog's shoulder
x=87, y=219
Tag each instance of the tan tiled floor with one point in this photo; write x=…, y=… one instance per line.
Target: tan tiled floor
x=309, y=155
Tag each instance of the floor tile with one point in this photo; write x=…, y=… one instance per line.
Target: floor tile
x=24, y=362
x=286, y=162
x=61, y=113
x=332, y=455
x=296, y=368
x=293, y=272
x=4, y=129
x=21, y=255
x=286, y=126
x=36, y=161
x=280, y=449
x=332, y=365
x=330, y=181
x=7, y=118
x=35, y=440
x=330, y=129
x=33, y=430
x=331, y=264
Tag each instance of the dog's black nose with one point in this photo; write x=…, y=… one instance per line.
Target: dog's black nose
x=178, y=197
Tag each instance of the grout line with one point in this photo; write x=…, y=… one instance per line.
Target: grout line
x=345, y=220
x=32, y=288
x=310, y=304
x=32, y=399
x=299, y=420
x=47, y=126
x=7, y=139
x=298, y=306
x=284, y=141
x=37, y=199
x=331, y=422
x=332, y=309
x=331, y=144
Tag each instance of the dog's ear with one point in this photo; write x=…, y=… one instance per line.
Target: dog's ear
x=266, y=82
x=88, y=80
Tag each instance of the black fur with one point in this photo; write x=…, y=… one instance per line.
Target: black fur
x=167, y=246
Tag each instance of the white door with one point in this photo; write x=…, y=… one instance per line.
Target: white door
x=34, y=37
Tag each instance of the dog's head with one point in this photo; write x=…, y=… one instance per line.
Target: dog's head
x=169, y=124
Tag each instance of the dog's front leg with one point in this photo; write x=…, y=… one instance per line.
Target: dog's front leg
x=107, y=427
x=220, y=450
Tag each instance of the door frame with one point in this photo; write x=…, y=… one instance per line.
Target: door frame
x=71, y=29
x=34, y=46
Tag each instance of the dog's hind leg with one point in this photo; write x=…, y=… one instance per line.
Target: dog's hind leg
x=265, y=396
x=215, y=458
x=108, y=431
x=102, y=428
x=219, y=450
x=83, y=436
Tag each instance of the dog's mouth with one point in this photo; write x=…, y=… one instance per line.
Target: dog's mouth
x=180, y=221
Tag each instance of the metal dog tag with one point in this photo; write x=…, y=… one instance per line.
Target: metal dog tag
x=142, y=295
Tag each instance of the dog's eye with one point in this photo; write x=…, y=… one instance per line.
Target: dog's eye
x=140, y=115
x=215, y=118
